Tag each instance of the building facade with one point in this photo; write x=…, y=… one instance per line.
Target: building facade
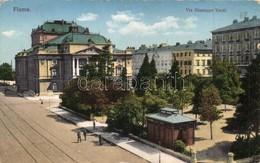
x=123, y=59
x=161, y=54
x=194, y=58
x=59, y=50
x=239, y=41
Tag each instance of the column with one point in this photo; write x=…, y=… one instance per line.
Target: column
x=73, y=67
x=77, y=66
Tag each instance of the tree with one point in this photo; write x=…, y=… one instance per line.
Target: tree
x=146, y=76
x=127, y=114
x=248, y=111
x=210, y=99
x=227, y=79
x=152, y=67
x=182, y=98
x=143, y=73
x=174, y=74
x=200, y=83
x=100, y=66
x=105, y=64
x=123, y=75
x=6, y=72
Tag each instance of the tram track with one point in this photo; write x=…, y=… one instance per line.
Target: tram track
x=42, y=132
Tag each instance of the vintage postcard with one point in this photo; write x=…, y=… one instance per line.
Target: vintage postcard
x=129, y=81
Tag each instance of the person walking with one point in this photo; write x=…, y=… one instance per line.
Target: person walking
x=84, y=133
x=100, y=139
x=94, y=124
x=79, y=137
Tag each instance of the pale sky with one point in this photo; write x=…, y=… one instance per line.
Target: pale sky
x=125, y=23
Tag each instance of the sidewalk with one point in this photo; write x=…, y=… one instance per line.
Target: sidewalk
x=144, y=151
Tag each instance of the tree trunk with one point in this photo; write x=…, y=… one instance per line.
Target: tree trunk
x=256, y=131
x=211, y=134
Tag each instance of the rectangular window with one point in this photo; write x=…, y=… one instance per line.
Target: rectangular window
x=198, y=62
x=204, y=71
x=230, y=48
x=216, y=49
x=247, y=35
x=54, y=62
x=239, y=59
x=224, y=37
x=54, y=72
x=118, y=70
x=248, y=46
x=231, y=37
x=208, y=62
x=54, y=87
x=256, y=34
x=203, y=62
x=198, y=71
x=223, y=49
x=239, y=35
x=239, y=47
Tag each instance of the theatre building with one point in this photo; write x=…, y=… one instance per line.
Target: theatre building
x=58, y=51
x=168, y=126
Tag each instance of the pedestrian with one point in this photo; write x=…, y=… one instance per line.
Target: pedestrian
x=94, y=124
x=100, y=139
x=41, y=101
x=84, y=133
x=79, y=137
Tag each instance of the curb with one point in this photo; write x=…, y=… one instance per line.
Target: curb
x=96, y=134
x=131, y=136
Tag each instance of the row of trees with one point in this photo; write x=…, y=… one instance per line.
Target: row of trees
x=246, y=119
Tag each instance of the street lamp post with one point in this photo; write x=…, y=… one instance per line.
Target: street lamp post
x=159, y=152
x=175, y=76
